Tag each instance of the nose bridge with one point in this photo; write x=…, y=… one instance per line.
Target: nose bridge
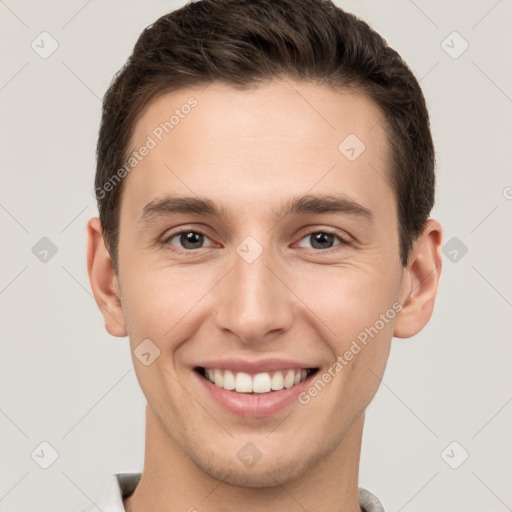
x=254, y=302
x=253, y=283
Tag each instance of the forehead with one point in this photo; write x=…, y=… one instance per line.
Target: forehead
x=259, y=144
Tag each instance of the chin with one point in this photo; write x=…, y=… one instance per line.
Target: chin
x=269, y=471
x=267, y=475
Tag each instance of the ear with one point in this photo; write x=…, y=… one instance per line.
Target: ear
x=420, y=281
x=104, y=283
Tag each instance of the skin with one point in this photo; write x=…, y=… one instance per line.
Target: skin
x=250, y=152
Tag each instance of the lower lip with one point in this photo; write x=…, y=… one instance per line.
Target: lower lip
x=254, y=405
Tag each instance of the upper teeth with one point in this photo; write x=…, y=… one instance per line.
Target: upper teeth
x=259, y=383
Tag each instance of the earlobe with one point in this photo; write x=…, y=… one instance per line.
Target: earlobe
x=420, y=283
x=104, y=282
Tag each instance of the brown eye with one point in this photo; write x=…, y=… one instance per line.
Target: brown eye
x=188, y=240
x=321, y=240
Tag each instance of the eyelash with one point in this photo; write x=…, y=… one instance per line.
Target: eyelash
x=342, y=241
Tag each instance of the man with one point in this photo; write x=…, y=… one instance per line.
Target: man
x=265, y=177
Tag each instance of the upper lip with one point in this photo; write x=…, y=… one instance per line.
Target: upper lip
x=255, y=366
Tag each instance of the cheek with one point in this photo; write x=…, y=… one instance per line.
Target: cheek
x=158, y=303
x=349, y=300
x=360, y=324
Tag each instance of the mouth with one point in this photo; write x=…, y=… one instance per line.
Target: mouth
x=258, y=383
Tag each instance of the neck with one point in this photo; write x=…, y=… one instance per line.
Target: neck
x=172, y=482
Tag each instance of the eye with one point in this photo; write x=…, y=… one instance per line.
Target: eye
x=321, y=240
x=189, y=240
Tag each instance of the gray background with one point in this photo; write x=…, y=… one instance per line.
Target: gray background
x=65, y=381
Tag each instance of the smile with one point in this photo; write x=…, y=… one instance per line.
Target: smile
x=264, y=382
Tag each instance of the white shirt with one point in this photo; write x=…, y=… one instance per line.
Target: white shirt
x=122, y=485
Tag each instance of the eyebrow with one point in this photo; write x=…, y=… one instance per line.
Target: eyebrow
x=308, y=204
x=325, y=203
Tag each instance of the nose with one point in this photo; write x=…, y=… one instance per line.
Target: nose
x=254, y=302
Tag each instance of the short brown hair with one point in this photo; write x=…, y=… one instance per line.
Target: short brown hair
x=247, y=42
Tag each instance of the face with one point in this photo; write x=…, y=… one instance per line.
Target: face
x=254, y=251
